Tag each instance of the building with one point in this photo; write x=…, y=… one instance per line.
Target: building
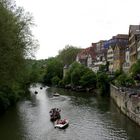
x=134, y=38
x=110, y=58
x=65, y=70
x=87, y=56
x=126, y=64
x=116, y=51
x=119, y=57
x=101, y=57
x=119, y=51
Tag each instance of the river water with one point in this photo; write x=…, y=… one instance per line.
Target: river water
x=91, y=118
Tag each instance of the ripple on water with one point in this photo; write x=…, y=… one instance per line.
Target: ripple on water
x=90, y=118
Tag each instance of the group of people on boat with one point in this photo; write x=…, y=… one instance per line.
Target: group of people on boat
x=55, y=117
x=61, y=121
x=55, y=114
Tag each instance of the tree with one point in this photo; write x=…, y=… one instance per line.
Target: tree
x=16, y=41
x=16, y=44
x=88, y=79
x=103, y=83
x=124, y=80
x=68, y=55
x=135, y=71
x=55, y=80
x=54, y=68
x=55, y=65
x=103, y=68
x=79, y=75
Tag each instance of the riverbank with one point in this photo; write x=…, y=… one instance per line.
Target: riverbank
x=128, y=102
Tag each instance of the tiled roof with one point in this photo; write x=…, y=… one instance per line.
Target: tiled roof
x=135, y=29
x=88, y=51
x=120, y=36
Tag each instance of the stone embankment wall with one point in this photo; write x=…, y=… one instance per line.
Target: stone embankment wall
x=128, y=102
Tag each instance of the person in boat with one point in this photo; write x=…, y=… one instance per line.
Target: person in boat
x=61, y=121
x=58, y=110
x=55, y=113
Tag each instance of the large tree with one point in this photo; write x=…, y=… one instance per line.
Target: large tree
x=16, y=44
x=68, y=54
x=54, y=69
x=79, y=75
x=16, y=41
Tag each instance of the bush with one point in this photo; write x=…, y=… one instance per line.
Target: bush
x=88, y=79
x=4, y=102
x=135, y=71
x=55, y=80
x=124, y=80
x=103, y=83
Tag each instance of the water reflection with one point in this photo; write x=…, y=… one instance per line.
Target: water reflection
x=91, y=118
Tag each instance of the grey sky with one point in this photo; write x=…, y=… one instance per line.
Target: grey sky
x=78, y=22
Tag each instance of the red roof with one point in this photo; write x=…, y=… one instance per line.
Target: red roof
x=88, y=51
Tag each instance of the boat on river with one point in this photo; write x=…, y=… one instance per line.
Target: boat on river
x=36, y=92
x=56, y=94
x=55, y=114
x=61, y=124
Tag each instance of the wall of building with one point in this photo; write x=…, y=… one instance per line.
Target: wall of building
x=128, y=103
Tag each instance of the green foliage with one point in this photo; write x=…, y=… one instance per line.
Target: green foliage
x=117, y=73
x=7, y=98
x=102, y=68
x=80, y=75
x=68, y=55
x=135, y=71
x=55, y=80
x=103, y=83
x=127, y=80
x=36, y=70
x=88, y=79
x=16, y=44
x=124, y=80
x=16, y=41
x=75, y=77
x=74, y=74
x=54, y=68
x=67, y=78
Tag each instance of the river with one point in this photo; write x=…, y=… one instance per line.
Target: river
x=91, y=118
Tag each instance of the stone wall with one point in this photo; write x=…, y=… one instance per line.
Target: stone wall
x=128, y=102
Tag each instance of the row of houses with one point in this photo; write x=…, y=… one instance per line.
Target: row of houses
x=119, y=52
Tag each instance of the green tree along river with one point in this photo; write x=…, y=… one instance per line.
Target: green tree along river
x=91, y=118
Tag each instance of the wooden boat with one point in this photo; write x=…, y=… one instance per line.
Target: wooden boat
x=61, y=124
x=55, y=114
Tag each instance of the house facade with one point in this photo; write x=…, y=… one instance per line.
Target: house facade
x=110, y=58
x=119, y=51
x=87, y=56
x=119, y=57
x=134, y=38
x=100, y=56
x=126, y=64
x=116, y=51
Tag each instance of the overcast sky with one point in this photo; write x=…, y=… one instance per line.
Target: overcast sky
x=78, y=22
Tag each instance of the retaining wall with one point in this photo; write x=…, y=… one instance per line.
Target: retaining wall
x=129, y=103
